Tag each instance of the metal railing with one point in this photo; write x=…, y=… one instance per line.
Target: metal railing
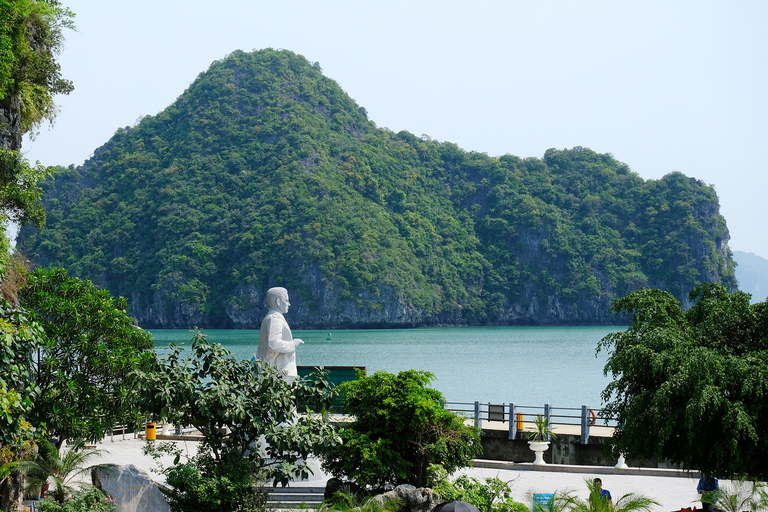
x=521, y=417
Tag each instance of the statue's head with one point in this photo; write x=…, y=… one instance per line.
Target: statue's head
x=276, y=293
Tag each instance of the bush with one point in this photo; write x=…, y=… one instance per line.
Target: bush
x=400, y=428
x=202, y=484
x=494, y=495
x=89, y=499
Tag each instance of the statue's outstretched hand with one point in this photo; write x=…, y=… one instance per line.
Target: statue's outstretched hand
x=297, y=342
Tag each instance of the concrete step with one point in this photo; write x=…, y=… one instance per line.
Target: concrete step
x=295, y=497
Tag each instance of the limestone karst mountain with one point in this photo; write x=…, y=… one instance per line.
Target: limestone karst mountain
x=265, y=172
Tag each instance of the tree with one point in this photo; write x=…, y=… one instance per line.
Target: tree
x=19, y=335
x=400, y=428
x=690, y=386
x=237, y=406
x=20, y=192
x=84, y=371
x=31, y=36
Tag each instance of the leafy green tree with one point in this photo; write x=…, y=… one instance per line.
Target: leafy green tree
x=84, y=371
x=690, y=386
x=20, y=191
x=399, y=429
x=247, y=415
x=19, y=336
x=31, y=36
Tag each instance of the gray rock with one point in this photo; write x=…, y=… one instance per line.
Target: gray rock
x=133, y=489
x=11, y=493
x=411, y=499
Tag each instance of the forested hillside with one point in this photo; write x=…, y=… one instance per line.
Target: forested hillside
x=266, y=173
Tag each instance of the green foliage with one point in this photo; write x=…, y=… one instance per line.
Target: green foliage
x=265, y=168
x=64, y=470
x=88, y=499
x=629, y=502
x=12, y=405
x=201, y=483
x=739, y=495
x=350, y=502
x=690, y=386
x=400, y=428
x=19, y=337
x=30, y=39
x=233, y=403
x=20, y=191
x=494, y=495
x=542, y=430
x=560, y=501
x=84, y=379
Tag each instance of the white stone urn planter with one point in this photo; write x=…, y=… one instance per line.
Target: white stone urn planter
x=539, y=447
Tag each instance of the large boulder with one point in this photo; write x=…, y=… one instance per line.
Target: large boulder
x=412, y=499
x=334, y=485
x=132, y=488
x=11, y=494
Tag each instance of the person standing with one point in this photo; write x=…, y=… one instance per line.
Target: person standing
x=605, y=497
x=708, y=484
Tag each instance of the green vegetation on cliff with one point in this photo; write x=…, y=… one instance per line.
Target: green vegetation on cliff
x=265, y=172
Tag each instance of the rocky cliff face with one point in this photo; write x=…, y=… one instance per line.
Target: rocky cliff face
x=10, y=123
x=377, y=308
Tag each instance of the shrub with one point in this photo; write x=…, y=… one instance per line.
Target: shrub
x=202, y=484
x=494, y=495
x=88, y=499
x=400, y=428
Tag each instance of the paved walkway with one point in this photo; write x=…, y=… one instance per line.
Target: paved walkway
x=673, y=492
x=672, y=489
x=557, y=428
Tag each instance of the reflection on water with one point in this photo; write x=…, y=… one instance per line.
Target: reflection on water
x=525, y=365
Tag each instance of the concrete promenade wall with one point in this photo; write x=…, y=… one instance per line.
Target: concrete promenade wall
x=566, y=449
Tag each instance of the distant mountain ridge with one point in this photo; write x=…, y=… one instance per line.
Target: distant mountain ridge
x=752, y=274
x=266, y=173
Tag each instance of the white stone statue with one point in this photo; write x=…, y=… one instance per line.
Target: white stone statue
x=276, y=343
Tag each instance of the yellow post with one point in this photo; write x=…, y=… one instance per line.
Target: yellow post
x=520, y=424
x=151, y=432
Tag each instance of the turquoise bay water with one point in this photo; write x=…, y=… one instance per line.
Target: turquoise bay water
x=530, y=366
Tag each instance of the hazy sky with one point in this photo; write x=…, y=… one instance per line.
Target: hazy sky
x=662, y=85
